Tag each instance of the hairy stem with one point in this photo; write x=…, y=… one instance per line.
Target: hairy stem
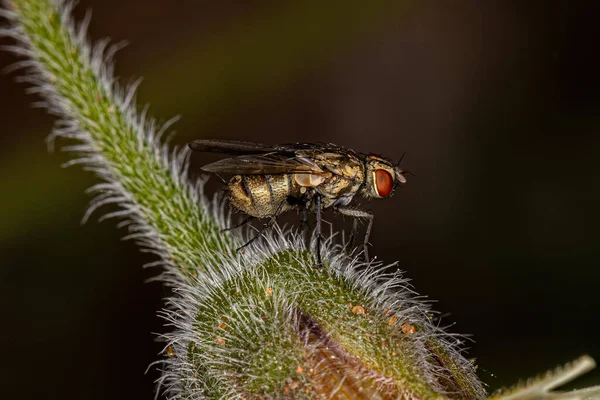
x=168, y=214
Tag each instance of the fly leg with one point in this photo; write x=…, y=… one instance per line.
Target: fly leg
x=222, y=198
x=223, y=194
x=360, y=214
x=304, y=223
x=258, y=234
x=244, y=222
x=223, y=181
x=318, y=230
x=353, y=233
x=264, y=228
x=302, y=203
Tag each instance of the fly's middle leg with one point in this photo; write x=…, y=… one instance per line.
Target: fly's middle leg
x=304, y=223
x=318, y=230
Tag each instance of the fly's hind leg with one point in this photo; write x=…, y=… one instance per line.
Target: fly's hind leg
x=244, y=222
x=264, y=228
x=223, y=194
x=222, y=198
x=258, y=234
x=359, y=214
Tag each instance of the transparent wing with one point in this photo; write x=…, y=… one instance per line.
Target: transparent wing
x=239, y=147
x=263, y=164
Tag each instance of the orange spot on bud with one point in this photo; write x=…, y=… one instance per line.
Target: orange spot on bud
x=220, y=341
x=393, y=320
x=358, y=310
x=269, y=291
x=388, y=312
x=170, y=352
x=350, y=305
x=293, y=385
x=299, y=370
x=408, y=329
x=222, y=325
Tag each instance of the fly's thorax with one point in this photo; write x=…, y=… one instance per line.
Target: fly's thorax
x=261, y=195
x=339, y=163
x=337, y=188
x=344, y=177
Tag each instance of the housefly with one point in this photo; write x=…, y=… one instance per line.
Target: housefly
x=310, y=177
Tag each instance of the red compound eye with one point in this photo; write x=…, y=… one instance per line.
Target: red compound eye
x=384, y=183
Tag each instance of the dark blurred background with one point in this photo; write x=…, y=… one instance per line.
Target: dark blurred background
x=496, y=105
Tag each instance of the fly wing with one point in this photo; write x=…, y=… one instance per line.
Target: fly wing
x=235, y=147
x=263, y=164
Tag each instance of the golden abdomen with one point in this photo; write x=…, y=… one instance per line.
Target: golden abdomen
x=262, y=195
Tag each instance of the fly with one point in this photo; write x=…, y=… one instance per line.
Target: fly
x=310, y=177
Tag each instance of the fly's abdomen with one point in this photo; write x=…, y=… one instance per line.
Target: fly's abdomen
x=261, y=195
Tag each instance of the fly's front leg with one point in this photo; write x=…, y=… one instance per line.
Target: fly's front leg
x=360, y=214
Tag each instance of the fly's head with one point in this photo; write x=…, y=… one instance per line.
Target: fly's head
x=381, y=177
